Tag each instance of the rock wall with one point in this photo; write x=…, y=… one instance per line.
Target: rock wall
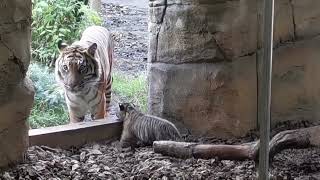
x=204, y=55
x=16, y=91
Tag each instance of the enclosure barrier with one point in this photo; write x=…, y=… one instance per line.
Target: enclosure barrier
x=264, y=98
x=77, y=134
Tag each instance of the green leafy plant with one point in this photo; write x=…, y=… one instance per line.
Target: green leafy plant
x=49, y=107
x=55, y=20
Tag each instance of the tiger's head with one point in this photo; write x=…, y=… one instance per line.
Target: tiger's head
x=76, y=66
x=124, y=108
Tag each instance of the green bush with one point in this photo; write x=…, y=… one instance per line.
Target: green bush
x=55, y=20
x=49, y=107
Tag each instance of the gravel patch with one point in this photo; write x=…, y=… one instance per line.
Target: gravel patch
x=129, y=26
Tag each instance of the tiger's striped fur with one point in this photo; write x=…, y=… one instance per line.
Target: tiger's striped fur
x=83, y=69
x=138, y=127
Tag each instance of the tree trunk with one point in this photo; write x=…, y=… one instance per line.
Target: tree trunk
x=300, y=138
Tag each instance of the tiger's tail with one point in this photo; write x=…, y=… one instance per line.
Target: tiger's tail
x=108, y=92
x=109, y=78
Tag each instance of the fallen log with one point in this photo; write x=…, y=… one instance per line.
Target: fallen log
x=205, y=151
x=299, y=138
x=295, y=139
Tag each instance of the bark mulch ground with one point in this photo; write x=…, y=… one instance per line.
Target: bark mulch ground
x=107, y=161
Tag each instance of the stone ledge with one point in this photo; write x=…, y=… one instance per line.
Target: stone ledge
x=66, y=136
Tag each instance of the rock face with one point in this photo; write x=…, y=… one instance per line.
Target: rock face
x=296, y=91
x=207, y=97
x=203, y=58
x=16, y=90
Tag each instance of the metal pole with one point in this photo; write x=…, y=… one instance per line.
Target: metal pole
x=265, y=98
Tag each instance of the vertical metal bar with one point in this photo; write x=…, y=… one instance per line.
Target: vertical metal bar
x=265, y=98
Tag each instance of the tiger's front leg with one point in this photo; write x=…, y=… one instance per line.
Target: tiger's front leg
x=127, y=139
x=98, y=111
x=76, y=114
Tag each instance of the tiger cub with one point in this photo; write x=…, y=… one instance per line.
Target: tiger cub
x=138, y=127
x=83, y=69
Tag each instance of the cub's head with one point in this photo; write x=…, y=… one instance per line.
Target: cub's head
x=124, y=108
x=76, y=66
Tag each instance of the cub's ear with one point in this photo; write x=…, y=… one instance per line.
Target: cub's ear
x=92, y=49
x=121, y=106
x=62, y=45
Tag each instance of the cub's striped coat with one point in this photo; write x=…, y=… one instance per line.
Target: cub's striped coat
x=83, y=69
x=138, y=127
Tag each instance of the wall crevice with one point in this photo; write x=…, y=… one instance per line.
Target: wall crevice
x=159, y=29
x=220, y=49
x=293, y=20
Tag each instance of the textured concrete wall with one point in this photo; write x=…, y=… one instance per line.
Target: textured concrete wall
x=16, y=91
x=203, y=57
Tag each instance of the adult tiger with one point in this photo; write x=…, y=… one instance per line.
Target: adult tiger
x=83, y=69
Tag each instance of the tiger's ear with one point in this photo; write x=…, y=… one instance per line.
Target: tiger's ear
x=62, y=45
x=121, y=106
x=92, y=49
